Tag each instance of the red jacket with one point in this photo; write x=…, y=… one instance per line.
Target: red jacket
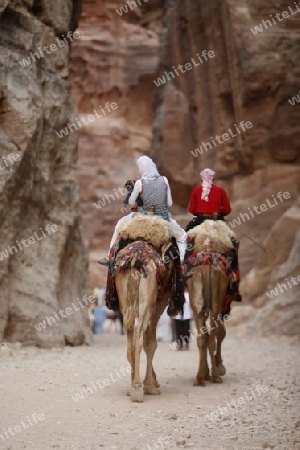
x=218, y=202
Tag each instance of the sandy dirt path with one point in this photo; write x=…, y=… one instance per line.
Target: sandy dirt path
x=46, y=382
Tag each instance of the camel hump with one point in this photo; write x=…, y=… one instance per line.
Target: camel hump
x=151, y=228
x=213, y=235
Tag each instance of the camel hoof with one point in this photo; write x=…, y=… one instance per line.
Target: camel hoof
x=216, y=380
x=207, y=377
x=151, y=390
x=221, y=370
x=155, y=382
x=137, y=394
x=199, y=382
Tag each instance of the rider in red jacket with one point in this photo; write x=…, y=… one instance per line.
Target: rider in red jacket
x=218, y=202
x=209, y=201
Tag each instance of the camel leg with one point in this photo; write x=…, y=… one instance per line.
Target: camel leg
x=150, y=346
x=136, y=392
x=151, y=384
x=221, y=333
x=202, y=341
x=146, y=319
x=196, y=287
x=130, y=352
x=215, y=378
x=128, y=325
x=155, y=378
x=216, y=307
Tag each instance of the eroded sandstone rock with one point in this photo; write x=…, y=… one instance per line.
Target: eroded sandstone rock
x=46, y=274
x=250, y=79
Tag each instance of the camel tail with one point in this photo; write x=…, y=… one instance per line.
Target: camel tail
x=207, y=288
x=132, y=309
x=142, y=292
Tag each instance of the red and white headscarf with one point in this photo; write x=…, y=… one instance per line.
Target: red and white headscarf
x=207, y=177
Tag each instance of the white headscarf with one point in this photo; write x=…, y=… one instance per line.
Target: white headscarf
x=147, y=168
x=207, y=177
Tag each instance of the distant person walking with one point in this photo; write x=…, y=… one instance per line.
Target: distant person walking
x=182, y=324
x=99, y=311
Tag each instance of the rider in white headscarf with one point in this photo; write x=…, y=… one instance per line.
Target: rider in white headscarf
x=155, y=191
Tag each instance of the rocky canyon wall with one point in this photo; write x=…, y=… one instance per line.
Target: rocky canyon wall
x=250, y=79
x=42, y=270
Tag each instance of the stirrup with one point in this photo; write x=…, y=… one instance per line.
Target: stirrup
x=104, y=262
x=187, y=276
x=237, y=297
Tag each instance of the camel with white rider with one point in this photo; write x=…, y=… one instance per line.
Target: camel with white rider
x=144, y=279
x=139, y=278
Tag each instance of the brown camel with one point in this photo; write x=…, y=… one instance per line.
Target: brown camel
x=207, y=289
x=138, y=291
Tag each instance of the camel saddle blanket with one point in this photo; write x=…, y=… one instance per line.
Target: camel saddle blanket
x=143, y=257
x=206, y=257
x=126, y=255
x=141, y=254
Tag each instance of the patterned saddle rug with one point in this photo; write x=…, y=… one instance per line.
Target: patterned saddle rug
x=139, y=255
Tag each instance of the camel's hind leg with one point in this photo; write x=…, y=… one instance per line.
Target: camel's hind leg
x=220, y=333
x=151, y=384
x=130, y=354
x=147, y=295
x=130, y=351
x=215, y=378
x=136, y=391
x=197, y=288
x=202, y=342
x=128, y=291
x=150, y=346
x=219, y=281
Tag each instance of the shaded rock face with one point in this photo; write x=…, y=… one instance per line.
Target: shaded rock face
x=41, y=272
x=274, y=283
x=250, y=79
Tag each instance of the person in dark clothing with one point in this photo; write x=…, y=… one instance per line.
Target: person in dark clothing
x=129, y=186
x=182, y=324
